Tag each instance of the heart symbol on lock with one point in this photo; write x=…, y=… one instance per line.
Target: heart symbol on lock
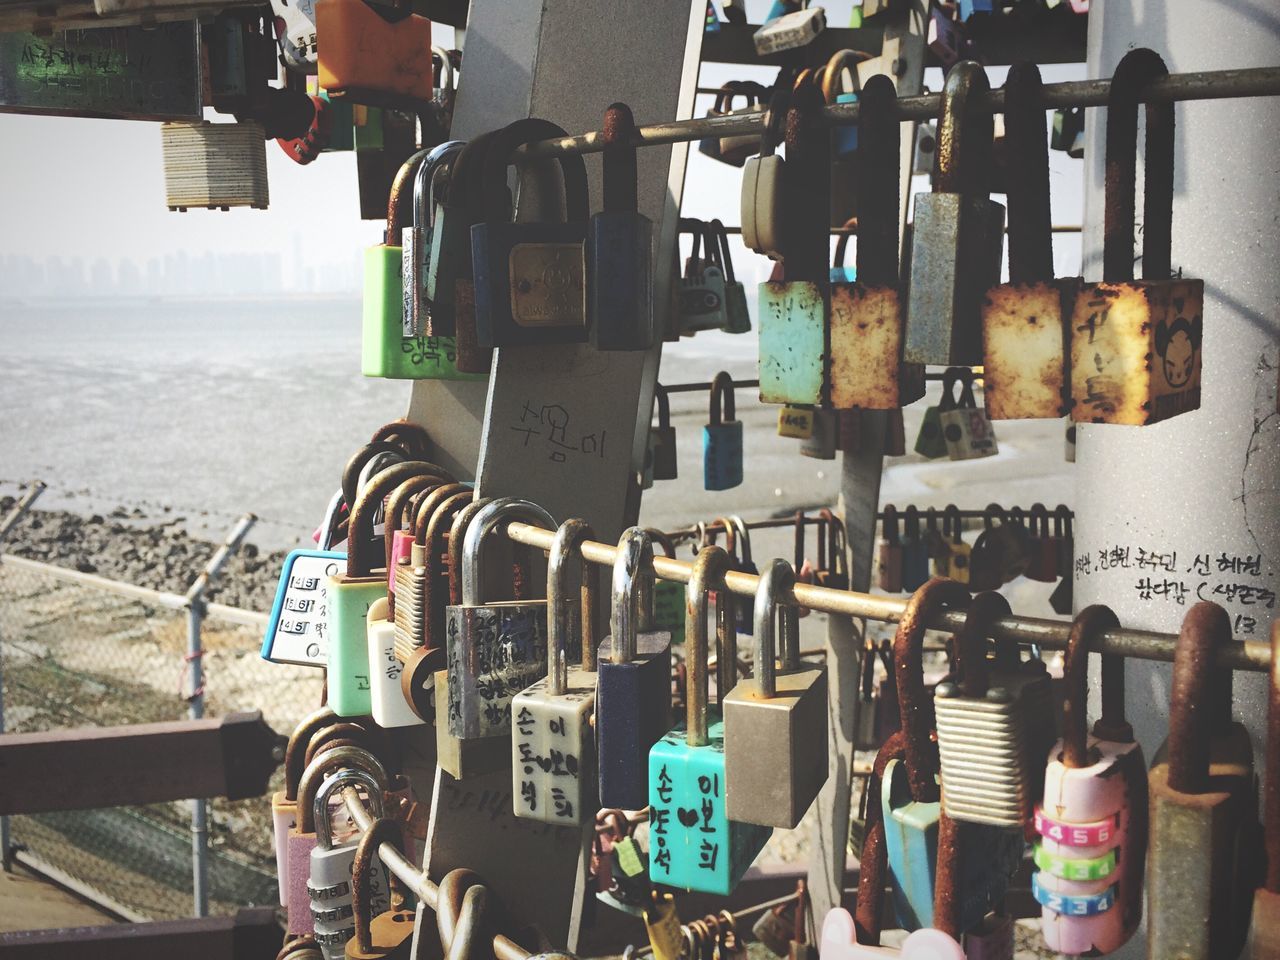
x=687, y=816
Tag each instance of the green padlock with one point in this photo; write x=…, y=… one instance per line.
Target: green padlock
x=930, y=442
x=352, y=593
x=668, y=596
x=385, y=351
x=692, y=842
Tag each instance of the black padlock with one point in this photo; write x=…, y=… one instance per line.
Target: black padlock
x=619, y=258
x=662, y=438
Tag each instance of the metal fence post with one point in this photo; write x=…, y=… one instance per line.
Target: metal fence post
x=195, y=652
x=17, y=513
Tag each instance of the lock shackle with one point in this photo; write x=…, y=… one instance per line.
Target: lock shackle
x=409, y=436
x=620, y=170
x=322, y=823
x=1030, y=221
x=1271, y=786
x=967, y=400
x=440, y=158
x=632, y=569
x=433, y=558
x=805, y=236
x=841, y=254
x=400, y=199
x=457, y=537
x=326, y=763
x=950, y=378
x=1132, y=74
x=947, y=877
x=879, y=188
x=1200, y=698
x=295, y=750
x=730, y=538
x=498, y=157
x=721, y=236
x=664, y=405
x=966, y=131
x=466, y=176
x=915, y=706
x=445, y=77
x=428, y=507
x=383, y=830
x=1062, y=520
x=776, y=580
x=360, y=529
x=837, y=544
x=799, y=539
x=345, y=733
x=748, y=90
x=744, y=538
x=709, y=568
x=500, y=511
x=874, y=859
x=774, y=121
x=1038, y=520
x=722, y=394
x=566, y=550
x=462, y=904
x=362, y=458
x=971, y=642
x=1087, y=628
x=398, y=508
x=889, y=525
x=911, y=523
x=843, y=63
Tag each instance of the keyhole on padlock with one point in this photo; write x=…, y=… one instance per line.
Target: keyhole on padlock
x=952, y=432
x=524, y=286
x=959, y=561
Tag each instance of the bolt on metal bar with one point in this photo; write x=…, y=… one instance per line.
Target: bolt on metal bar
x=1251, y=655
x=504, y=948
x=1201, y=85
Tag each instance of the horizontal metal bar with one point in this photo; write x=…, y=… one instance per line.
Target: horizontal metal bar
x=696, y=387
x=1253, y=655
x=156, y=598
x=415, y=879
x=853, y=231
x=776, y=522
x=1201, y=85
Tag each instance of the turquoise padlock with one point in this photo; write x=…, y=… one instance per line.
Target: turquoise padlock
x=693, y=845
x=910, y=798
x=722, y=439
x=352, y=593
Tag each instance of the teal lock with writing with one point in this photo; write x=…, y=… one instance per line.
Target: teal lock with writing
x=910, y=798
x=385, y=350
x=693, y=845
x=353, y=592
x=722, y=439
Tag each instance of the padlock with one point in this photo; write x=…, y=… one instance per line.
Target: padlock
x=915, y=551
x=329, y=886
x=530, y=277
x=763, y=207
x=839, y=943
x=722, y=439
x=446, y=84
x=1002, y=551
x=733, y=150
x=387, y=704
x=553, y=750
x=662, y=925
x=297, y=629
x=415, y=242
x=387, y=935
x=910, y=796
x=352, y=594
x=775, y=724
x=1068, y=129
x=397, y=528
x=1264, y=935
x=790, y=31
x=1135, y=344
x=417, y=574
x=805, y=570
x=839, y=84
x=841, y=272
x=1200, y=875
x=889, y=553
x=662, y=438
x=745, y=606
x=868, y=325
x=930, y=443
x=494, y=649
x=387, y=351
x=966, y=428
x=795, y=422
x=400, y=74
x=945, y=38
x=991, y=767
x=449, y=251
x=668, y=596
x=468, y=202
x=737, y=315
x=959, y=231
x=693, y=843
x=701, y=290
x=284, y=802
x=1092, y=820
x=1024, y=321
x=619, y=259
x=833, y=549
x=821, y=443
x=793, y=312
x=295, y=28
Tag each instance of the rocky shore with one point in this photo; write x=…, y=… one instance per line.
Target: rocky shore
x=132, y=547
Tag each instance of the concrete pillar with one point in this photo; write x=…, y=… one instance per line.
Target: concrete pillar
x=1188, y=508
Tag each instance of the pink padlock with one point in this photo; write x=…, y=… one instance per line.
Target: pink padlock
x=302, y=838
x=397, y=532
x=838, y=943
x=1095, y=801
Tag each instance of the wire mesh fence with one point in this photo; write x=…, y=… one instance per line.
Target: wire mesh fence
x=76, y=652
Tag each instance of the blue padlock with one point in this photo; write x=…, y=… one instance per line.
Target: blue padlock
x=530, y=278
x=693, y=845
x=722, y=439
x=910, y=796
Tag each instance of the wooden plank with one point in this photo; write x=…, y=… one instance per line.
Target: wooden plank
x=250, y=934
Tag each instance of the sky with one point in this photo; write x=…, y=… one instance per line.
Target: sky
x=92, y=188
